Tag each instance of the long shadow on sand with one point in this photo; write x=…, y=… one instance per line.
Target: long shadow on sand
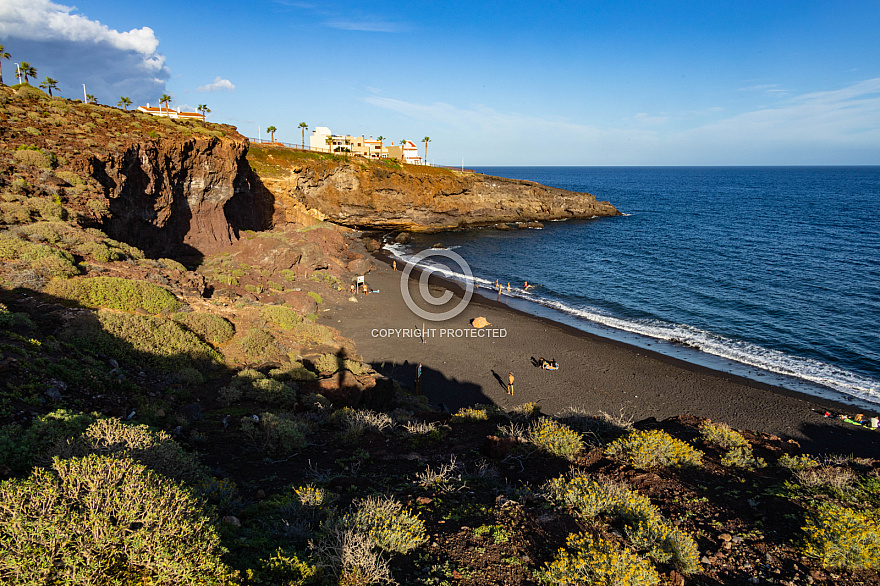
x=440, y=390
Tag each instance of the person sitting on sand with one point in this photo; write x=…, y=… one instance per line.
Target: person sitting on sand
x=553, y=365
x=543, y=363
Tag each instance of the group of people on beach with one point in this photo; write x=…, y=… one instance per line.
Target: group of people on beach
x=548, y=364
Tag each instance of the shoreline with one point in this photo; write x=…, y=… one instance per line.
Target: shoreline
x=601, y=374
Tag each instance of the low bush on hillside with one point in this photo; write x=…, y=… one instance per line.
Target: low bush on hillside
x=115, y=293
x=105, y=520
x=21, y=448
x=43, y=258
x=281, y=316
x=586, y=560
x=211, y=328
x=258, y=345
x=554, y=437
x=275, y=434
x=154, y=449
x=158, y=342
x=645, y=526
x=841, y=537
x=645, y=449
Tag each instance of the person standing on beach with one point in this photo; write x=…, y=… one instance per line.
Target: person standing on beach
x=510, y=383
x=394, y=265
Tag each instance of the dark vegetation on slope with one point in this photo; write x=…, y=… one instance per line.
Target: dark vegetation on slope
x=171, y=423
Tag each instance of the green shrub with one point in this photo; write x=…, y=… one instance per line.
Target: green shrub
x=14, y=213
x=742, y=457
x=211, y=328
x=389, y=526
x=32, y=131
x=258, y=345
x=154, y=449
x=285, y=569
x=797, y=462
x=294, y=371
x=470, y=415
x=41, y=257
x=268, y=390
x=841, y=537
x=22, y=448
x=281, y=316
x=316, y=297
x=115, y=293
x=161, y=343
x=103, y=520
x=723, y=436
x=276, y=435
x=554, y=437
x=330, y=363
x=34, y=159
x=99, y=251
x=646, y=527
x=645, y=449
x=70, y=177
x=589, y=561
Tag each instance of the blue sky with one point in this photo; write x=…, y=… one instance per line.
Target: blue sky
x=492, y=83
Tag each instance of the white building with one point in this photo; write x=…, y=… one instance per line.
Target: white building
x=171, y=113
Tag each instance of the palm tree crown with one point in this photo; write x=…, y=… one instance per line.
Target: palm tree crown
x=204, y=109
x=271, y=130
x=165, y=99
x=426, y=140
x=27, y=70
x=3, y=55
x=125, y=102
x=49, y=84
x=304, y=127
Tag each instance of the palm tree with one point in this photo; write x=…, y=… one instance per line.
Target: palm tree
x=90, y=99
x=271, y=130
x=49, y=84
x=329, y=141
x=3, y=55
x=426, y=140
x=204, y=109
x=304, y=127
x=26, y=70
x=165, y=99
x=380, y=139
x=125, y=102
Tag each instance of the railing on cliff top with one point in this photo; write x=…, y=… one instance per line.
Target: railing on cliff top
x=299, y=147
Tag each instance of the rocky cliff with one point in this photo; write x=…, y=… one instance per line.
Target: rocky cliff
x=171, y=188
x=389, y=196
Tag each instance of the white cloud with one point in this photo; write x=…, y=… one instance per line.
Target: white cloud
x=219, y=84
x=75, y=49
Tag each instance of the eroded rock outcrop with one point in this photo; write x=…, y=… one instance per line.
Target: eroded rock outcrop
x=367, y=195
x=181, y=196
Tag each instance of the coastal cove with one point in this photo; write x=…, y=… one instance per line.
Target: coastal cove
x=596, y=373
x=768, y=273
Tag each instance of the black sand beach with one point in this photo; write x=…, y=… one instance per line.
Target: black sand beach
x=596, y=373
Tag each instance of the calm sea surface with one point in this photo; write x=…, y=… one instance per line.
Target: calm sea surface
x=768, y=272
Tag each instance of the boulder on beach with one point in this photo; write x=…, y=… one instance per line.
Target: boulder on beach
x=403, y=238
x=480, y=322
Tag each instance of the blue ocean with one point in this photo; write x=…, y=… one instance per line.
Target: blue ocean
x=772, y=273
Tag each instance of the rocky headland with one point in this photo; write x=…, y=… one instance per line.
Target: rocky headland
x=385, y=195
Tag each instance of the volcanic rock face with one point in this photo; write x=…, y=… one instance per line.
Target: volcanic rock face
x=179, y=197
x=420, y=199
